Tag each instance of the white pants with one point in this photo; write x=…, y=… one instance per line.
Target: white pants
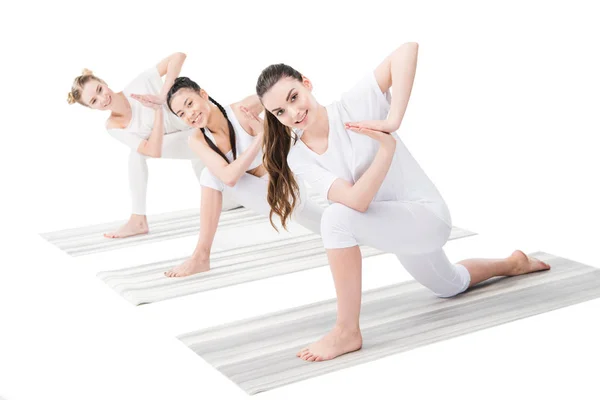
x=175, y=146
x=410, y=230
x=251, y=192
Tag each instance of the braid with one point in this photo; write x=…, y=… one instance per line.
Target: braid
x=231, y=131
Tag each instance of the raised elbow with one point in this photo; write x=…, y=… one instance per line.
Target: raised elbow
x=362, y=208
x=359, y=206
x=230, y=182
x=181, y=55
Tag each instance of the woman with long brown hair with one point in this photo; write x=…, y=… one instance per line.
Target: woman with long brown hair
x=379, y=195
x=228, y=139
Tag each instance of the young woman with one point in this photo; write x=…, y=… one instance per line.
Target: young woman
x=379, y=195
x=228, y=140
x=149, y=131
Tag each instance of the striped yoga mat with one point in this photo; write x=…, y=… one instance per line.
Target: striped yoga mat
x=90, y=239
x=259, y=354
x=146, y=283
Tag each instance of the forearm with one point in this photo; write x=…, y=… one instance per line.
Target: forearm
x=242, y=163
x=155, y=140
x=173, y=70
x=210, y=211
x=403, y=66
x=366, y=187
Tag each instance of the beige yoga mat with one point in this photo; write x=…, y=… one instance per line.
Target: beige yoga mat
x=147, y=284
x=259, y=354
x=166, y=226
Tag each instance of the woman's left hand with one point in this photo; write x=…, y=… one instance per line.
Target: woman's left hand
x=256, y=123
x=150, y=100
x=384, y=125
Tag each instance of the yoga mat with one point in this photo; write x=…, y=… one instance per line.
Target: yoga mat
x=147, y=284
x=259, y=354
x=90, y=239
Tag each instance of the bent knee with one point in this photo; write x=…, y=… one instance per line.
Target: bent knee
x=336, y=214
x=336, y=226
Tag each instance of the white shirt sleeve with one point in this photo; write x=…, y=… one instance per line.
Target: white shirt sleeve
x=148, y=82
x=317, y=177
x=129, y=139
x=365, y=101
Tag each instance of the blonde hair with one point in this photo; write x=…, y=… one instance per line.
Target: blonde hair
x=74, y=96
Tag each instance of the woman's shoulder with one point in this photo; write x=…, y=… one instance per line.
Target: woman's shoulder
x=115, y=123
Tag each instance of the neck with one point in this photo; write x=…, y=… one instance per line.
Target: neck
x=120, y=106
x=320, y=127
x=217, y=123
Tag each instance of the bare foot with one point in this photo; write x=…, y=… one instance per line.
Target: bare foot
x=523, y=264
x=191, y=266
x=137, y=225
x=337, y=342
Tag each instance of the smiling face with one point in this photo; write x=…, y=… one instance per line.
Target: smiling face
x=96, y=95
x=192, y=107
x=292, y=102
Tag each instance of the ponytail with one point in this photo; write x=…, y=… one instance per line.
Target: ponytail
x=283, y=192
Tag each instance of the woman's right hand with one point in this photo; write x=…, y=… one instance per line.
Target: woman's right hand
x=256, y=123
x=384, y=138
x=149, y=100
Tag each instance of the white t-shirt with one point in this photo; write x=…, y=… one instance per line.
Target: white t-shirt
x=349, y=154
x=142, y=118
x=243, y=139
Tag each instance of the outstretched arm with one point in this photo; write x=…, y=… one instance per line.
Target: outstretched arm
x=398, y=72
x=171, y=67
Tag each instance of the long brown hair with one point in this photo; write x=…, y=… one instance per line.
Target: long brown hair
x=283, y=192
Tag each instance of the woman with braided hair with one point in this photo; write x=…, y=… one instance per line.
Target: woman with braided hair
x=150, y=131
x=228, y=140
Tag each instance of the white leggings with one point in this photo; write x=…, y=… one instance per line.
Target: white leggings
x=251, y=192
x=175, y=146
x=410, y=230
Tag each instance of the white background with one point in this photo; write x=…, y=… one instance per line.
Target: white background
x=503, y=118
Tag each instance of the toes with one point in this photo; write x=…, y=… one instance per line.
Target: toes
x=312, y=358
x=301, y=352
x=304, y=353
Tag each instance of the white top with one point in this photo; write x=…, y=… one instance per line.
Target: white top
x=243, y=139
x=142, y=118
x=349, y=154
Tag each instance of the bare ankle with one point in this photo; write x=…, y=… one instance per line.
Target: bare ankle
x=201, y=255
x=139, y=219
x=347, y=327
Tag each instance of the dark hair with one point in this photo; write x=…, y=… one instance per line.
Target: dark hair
x=183, y=82
x=283, y=192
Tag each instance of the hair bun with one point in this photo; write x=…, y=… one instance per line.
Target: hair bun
x=86, y=72
x=70, y=98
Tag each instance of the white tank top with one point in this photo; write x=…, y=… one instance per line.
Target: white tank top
x=243, y=139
